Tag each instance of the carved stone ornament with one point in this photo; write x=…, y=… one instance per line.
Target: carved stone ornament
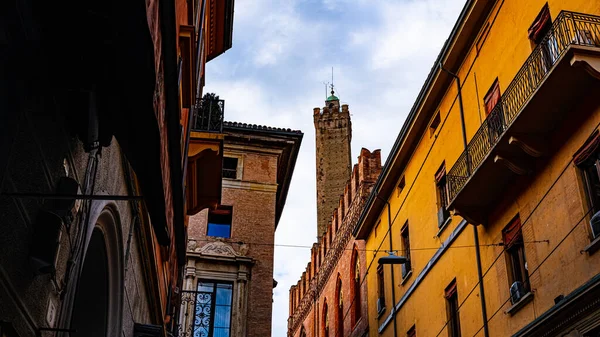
x=192, y=244
x=217, y=248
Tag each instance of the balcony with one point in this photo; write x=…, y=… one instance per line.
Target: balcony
x=558, y=73
x=208, y=115
x=205, y=155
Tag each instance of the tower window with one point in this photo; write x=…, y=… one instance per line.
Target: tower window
x=230, y=167
x=219, y=222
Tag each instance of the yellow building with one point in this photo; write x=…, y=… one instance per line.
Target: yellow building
x=495, y=177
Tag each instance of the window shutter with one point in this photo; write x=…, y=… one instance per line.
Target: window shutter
x=512, y=233
x=492, y=97
x=541, y=21
x=588, y=149
x=441, y=173
x=450, y=290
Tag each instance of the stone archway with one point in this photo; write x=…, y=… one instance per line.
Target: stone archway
x=97, y=310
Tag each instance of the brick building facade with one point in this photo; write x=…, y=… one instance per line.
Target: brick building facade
x=231, y=247
x=330, y=297
x=333, y=130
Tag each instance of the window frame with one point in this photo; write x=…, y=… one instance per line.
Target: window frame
x=213, y=304
x=381, y=288
x=515, y=256
x=435, y=123
x=226, y=171
x=405, y=239
x=452, y=309
x=221, y=209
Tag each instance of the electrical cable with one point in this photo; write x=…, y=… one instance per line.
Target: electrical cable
x=522, y=225
x=540, y=264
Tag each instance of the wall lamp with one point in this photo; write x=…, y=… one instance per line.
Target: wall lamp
x=392, y=259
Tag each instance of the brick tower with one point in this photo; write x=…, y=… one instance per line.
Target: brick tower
x=333, y=131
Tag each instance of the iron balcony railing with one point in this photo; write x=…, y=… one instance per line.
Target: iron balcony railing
x=208, y=115
x=568, y=29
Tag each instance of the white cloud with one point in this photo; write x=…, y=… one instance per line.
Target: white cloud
x=283, y=50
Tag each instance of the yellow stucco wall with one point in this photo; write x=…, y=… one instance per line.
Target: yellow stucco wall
x=504, y=51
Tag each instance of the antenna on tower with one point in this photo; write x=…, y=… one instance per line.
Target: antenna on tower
x=332, y=80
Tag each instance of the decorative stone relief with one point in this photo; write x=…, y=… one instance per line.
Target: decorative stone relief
x=217, y=248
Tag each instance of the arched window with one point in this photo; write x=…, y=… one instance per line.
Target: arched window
x=303, y=332
x=325, y=320
x=356, y=302
x=339, y=319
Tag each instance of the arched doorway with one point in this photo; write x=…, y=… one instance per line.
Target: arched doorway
x=97, y=309
x=90, y=313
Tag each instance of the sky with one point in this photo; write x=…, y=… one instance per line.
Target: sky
x=283, y=51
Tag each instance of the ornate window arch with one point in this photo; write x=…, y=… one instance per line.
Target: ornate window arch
x=339, y=319
x=355, y=288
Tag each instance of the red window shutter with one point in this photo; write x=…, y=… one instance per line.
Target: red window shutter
x=450, y=290
x=441, y=173
x=588, y=149
x=512, y=233
x=492, y=97
x=537, y=27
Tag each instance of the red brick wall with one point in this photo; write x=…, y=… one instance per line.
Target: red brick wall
x=253, y=223
x=302, y=303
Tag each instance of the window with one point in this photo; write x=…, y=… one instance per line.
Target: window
x=303, y=332
x=230, y=167
x=412, y=332
x=340, y=309
x=325, y=321
x=587, y=158
x=493, y=108
x=452, y=310
x=442, y=194
x=401, y=185
x=213, y=309
x=537, y=33
x=435, y=122
x=219, y=222
x=356, y=295
x=380, y=290
x=406, y=267
x=540, y=26
x=516, y=264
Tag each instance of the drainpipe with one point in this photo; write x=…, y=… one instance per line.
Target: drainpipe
x=462, y=115
x=486, y=332
x=392, y=266
x=475, y=233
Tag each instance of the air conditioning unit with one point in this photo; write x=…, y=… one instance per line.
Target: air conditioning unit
x=595, y=224
x=443, y=215
x=380, y=304
x=517, y=291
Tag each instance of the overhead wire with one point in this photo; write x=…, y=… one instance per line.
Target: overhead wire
x=522, y=225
